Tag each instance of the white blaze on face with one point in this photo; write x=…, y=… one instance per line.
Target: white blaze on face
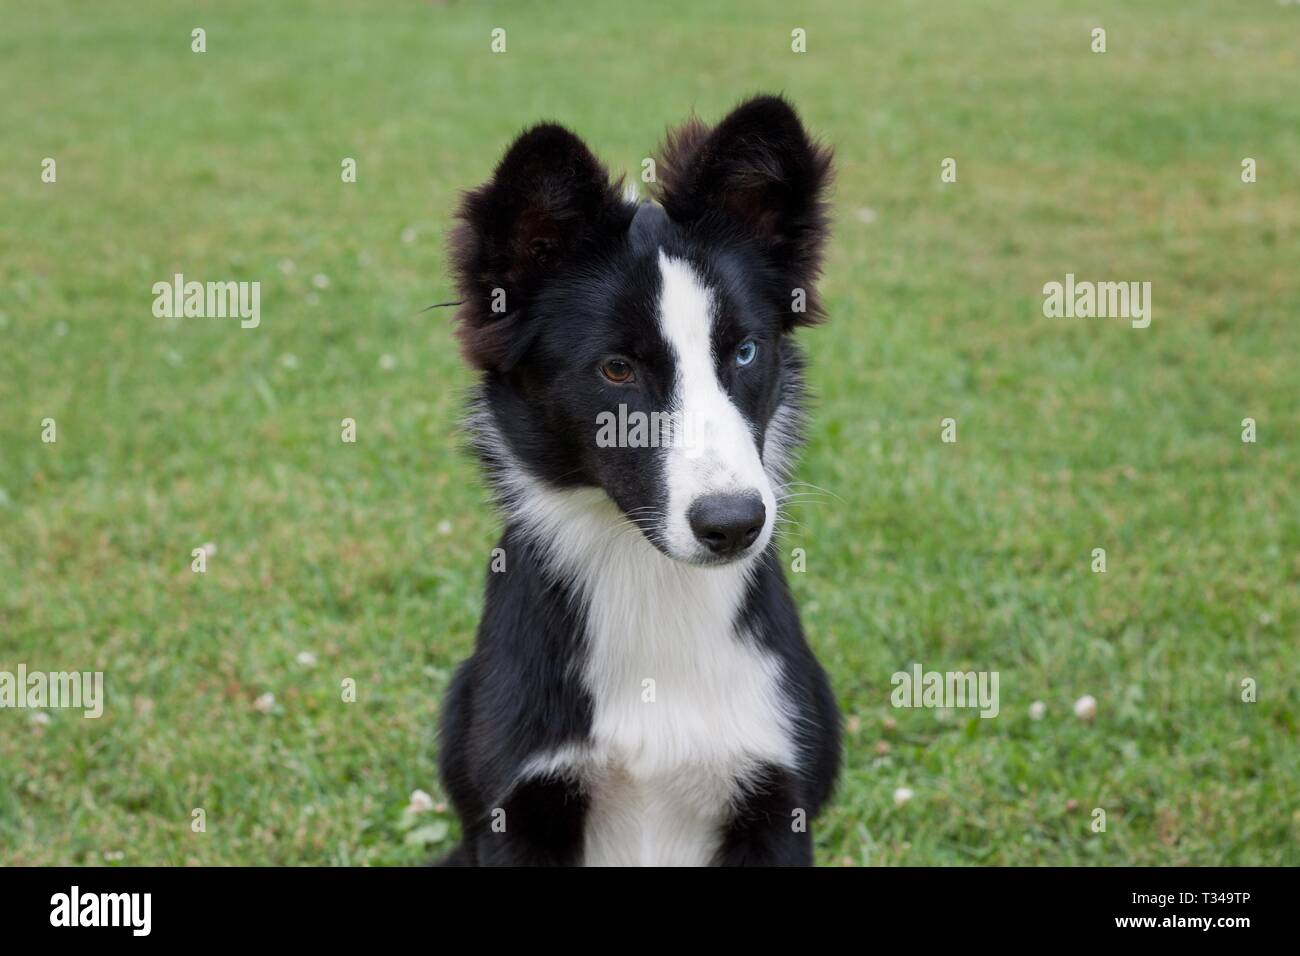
x=716, y=454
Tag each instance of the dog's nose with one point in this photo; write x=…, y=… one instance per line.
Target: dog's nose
x=726, y=524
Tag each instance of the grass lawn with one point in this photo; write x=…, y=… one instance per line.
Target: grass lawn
x=366, y=560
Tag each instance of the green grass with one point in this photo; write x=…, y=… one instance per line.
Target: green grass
x=1073, y=434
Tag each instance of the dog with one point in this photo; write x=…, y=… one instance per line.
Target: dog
x=640, y=691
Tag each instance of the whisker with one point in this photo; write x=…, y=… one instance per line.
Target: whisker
x=809, y=484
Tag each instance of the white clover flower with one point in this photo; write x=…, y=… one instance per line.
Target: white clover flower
x=421, y=802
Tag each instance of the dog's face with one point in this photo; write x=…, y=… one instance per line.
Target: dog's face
x=646, y=350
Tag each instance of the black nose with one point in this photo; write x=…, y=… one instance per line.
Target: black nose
x=726, y=524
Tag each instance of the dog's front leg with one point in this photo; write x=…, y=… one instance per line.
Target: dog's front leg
x=539, y=824
x=769, y=826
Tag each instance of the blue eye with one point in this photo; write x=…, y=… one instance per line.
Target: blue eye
x=745, y=354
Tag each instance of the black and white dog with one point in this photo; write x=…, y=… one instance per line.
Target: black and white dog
x=641, y=691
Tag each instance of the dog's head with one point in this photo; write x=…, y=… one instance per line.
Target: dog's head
x=646, y=349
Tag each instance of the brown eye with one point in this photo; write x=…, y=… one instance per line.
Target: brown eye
x=617, y=371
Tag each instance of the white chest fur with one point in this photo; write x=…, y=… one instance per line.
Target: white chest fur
x=685, y=707
x=685, y=711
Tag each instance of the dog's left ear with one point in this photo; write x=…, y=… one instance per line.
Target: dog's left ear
x=756, y=176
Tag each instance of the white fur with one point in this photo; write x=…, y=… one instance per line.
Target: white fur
x=661, y=772
x=779, y=444
x=722, y=456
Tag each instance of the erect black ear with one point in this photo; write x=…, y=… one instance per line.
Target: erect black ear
x=757, y=176
x=548, y=202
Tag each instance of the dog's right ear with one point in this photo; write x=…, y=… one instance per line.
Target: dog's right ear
x=549, y=201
